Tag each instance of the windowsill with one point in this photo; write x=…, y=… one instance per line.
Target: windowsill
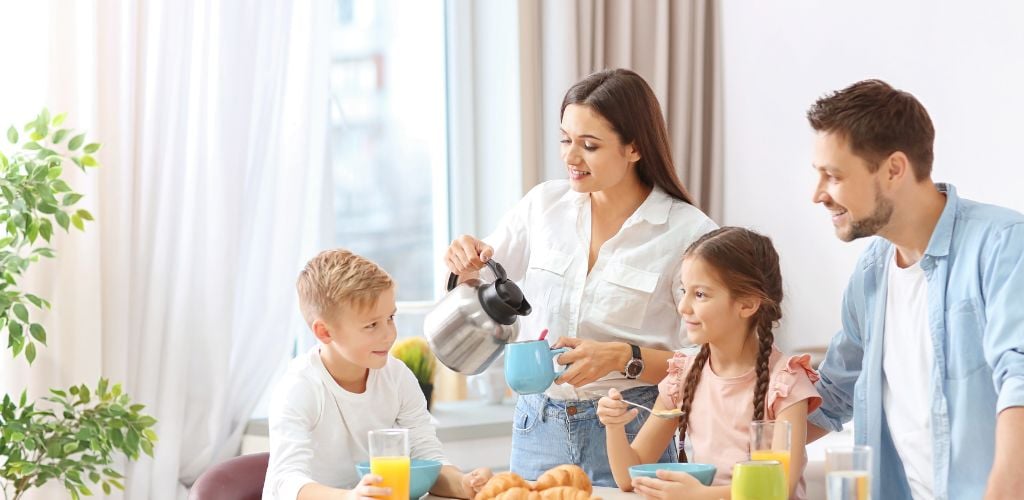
x=455, y=420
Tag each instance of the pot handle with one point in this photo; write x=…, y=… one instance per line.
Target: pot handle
x=499, y=274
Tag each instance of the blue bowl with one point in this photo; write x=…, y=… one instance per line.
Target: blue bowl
x=422, y=475
x=705, y=473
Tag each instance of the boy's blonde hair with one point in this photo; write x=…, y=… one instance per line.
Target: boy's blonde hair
x=336, y=277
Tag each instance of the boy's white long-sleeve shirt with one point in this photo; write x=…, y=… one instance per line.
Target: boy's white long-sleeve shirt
x=318, y=431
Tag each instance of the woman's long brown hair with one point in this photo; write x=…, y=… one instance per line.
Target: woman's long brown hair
x=747, y=263
x=626, y=100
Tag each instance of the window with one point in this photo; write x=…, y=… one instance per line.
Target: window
x=388, y=142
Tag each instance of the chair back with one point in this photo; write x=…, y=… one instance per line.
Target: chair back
x=240, y=478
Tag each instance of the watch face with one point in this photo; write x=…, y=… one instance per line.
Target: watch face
x=634, y=367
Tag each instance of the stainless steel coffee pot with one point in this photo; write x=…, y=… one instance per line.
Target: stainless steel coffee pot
x=469, y=327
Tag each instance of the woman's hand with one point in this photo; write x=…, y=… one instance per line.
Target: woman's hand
x=366, y=490
x=669, y=484
x=611, y=411
x=474, y=481
x=590, y=360
x=467, y=255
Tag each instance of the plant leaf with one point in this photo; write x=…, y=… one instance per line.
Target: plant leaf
x=46, y=208
x=91, y=148
x=14, y=328
x=62, y=220
x=59, y=135
x=59, y=119
x=38, y=302
x=59, y=186
x=77, y=222
x=76, y=142
x=12, y=135
x=16, y=344
x=33, y=231
x=71, y=199
x=38, y=332
x=21, y=312
x=30, y=352
x=84, y=214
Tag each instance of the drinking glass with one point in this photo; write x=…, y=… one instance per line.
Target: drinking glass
x=848, y=473
x=389, y=459
x=770, y=440
x=758, y=480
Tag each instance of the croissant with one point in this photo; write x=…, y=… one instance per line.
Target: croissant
x=517, y=493
x=564, y=493
x=564, y=475
x=499, y=483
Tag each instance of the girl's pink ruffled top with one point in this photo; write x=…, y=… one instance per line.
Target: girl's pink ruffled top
x=722, y=408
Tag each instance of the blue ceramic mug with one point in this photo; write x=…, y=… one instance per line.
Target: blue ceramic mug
x=529, y=366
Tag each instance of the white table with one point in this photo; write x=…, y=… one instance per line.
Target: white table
x=599, y=491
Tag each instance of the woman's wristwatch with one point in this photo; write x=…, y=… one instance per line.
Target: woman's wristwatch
x=635, y=366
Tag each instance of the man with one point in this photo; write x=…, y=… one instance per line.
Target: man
x=930, y=359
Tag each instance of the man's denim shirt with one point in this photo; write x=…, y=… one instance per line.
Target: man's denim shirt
x=974, y=265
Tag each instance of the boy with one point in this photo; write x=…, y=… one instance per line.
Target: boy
x=344, y=387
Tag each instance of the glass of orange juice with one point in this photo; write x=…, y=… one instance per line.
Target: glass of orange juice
x=770, y=440
x=389, y=459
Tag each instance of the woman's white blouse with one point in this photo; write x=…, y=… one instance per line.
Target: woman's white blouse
x=631, y=293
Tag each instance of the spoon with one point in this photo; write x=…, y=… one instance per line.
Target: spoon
x=666, y=414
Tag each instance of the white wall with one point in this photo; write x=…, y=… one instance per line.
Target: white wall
x=964, y=61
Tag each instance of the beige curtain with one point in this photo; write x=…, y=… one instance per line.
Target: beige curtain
x=671, y=43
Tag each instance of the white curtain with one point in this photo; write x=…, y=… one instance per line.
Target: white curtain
x=213, y=120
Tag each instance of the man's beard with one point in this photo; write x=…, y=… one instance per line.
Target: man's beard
x=870, y=225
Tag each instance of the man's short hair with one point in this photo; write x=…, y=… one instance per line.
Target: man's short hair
x=878, y=120
x=336, y=277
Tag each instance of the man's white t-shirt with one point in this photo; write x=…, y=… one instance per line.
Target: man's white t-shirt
x=907, y=360
x=318, y=431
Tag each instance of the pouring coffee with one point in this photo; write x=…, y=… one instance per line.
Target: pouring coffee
x=470, y=326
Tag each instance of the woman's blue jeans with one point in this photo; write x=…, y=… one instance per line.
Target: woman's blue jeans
x=547, y=432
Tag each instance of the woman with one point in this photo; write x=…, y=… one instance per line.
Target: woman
x=597, y=257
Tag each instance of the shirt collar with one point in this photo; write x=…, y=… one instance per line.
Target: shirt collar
x=654, y=209
x=942, y=236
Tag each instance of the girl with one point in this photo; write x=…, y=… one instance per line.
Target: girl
x=594, y=256
x=731, y=291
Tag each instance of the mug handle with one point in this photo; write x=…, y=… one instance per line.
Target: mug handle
x=556, y=352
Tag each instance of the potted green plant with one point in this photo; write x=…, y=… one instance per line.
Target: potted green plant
x=74, y=434
x=415, y=353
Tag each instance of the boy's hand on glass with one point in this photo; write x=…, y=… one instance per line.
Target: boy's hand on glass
x=366, y=489
x=475, y=480
x=611, y=411
x=669, y=484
